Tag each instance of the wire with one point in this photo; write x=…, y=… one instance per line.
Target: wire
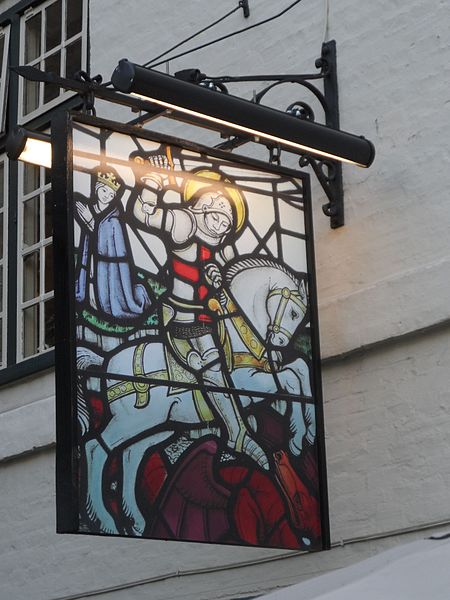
x=250, y=563
x=326, y=27
x=188, y=39
x=224, y=37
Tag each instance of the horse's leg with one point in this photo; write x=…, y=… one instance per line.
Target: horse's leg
x=132, y=457
x=292, y=379
x=126, y=424
x=302, y=420
x=96, y=457
x=297, y=428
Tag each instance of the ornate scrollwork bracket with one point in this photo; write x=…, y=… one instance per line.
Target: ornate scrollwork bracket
x=327, y=171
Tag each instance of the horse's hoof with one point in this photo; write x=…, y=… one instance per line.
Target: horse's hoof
x=295, y=450
x=254, y=450
x=137, y=531
x=310, y=437
x=109, y=529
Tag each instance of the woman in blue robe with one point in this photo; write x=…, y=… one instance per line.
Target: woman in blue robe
x=106, y=279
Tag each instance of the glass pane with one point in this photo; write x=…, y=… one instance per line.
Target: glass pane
x=33, y=38
x=31, y=330
x=1, y=342
x=73, y=58
x=47, y=176
x=30, y=276
x=30, y=178
x=52, y=64
x=31, y=221
x=1, y=288
x=49, y=268
x=48, y=214
x=2, y=183
x=74, y=17
x=2, y=47
x=30, y=96
x=1, y=236
x=53, y=26
x=49, y=325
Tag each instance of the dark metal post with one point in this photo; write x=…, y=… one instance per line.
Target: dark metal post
x=335, y=208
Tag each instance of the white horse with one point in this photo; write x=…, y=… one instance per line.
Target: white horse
x=145, y=413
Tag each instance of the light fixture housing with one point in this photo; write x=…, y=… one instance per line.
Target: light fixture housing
x=29, y=146
x=194, y=103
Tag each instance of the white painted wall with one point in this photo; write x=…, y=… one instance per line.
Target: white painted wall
x=384, y=306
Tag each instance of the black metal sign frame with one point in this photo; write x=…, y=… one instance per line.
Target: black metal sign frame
x=71, y=515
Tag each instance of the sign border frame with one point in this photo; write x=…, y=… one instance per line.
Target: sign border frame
x=67, y=509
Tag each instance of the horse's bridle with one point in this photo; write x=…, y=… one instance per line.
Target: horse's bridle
x=287, y=295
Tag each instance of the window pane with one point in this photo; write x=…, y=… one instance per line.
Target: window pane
x=1, y=236
x=33, y=38
x=30, y=96
x=31, y=221
x=49, y=324
x=47, y=176
x=52, y=64
x=1, y=290
x=48, y=214
x=1, y=341
x=31, y=276
x=2, y=47
x=74, y=17
x=73, y=58
x=31, y=330
x=30, y=178
x=49, y=268
x=2, y=183
x=53, y=26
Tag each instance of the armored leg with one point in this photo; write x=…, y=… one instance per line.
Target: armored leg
x=205, y=357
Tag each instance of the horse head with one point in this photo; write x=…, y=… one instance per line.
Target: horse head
x=286, y=306
x=271, y=297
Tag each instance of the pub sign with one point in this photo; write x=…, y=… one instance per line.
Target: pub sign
x=188, y=384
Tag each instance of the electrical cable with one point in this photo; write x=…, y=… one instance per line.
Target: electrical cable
x=191, y=37
x=224, y=37
x=188, y=39
x=250, y=563
x=326, y=26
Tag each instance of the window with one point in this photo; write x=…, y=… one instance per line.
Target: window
x=4, y=75
x=51, y=40
x=51, y=36
x=3, y=256
x=35, y=270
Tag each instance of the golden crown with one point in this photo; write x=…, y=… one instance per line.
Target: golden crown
x=108, y=179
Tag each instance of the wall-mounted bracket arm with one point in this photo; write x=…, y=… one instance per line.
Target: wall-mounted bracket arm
x=327, y=171
x=330, y=180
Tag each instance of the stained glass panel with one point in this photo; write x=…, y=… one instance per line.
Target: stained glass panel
x=198, y=390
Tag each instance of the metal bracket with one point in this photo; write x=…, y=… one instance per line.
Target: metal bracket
x=88, y=96
x=327, y=171
x=331, y=181
x=275, y=155
x=245, y=7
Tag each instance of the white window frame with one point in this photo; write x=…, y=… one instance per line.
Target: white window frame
x=38, y=62
x=4, y=261
x=4, y=76
x=42, y=243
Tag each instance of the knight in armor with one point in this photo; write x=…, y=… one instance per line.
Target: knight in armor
x=195, y=233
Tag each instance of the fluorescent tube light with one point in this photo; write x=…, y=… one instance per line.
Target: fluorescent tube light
x=194, y=103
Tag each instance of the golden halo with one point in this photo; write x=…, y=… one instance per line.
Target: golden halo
x=193, y=186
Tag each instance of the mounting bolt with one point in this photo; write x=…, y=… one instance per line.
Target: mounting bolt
x=245, y=7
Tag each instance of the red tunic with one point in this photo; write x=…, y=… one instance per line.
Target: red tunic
x=192, y=274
